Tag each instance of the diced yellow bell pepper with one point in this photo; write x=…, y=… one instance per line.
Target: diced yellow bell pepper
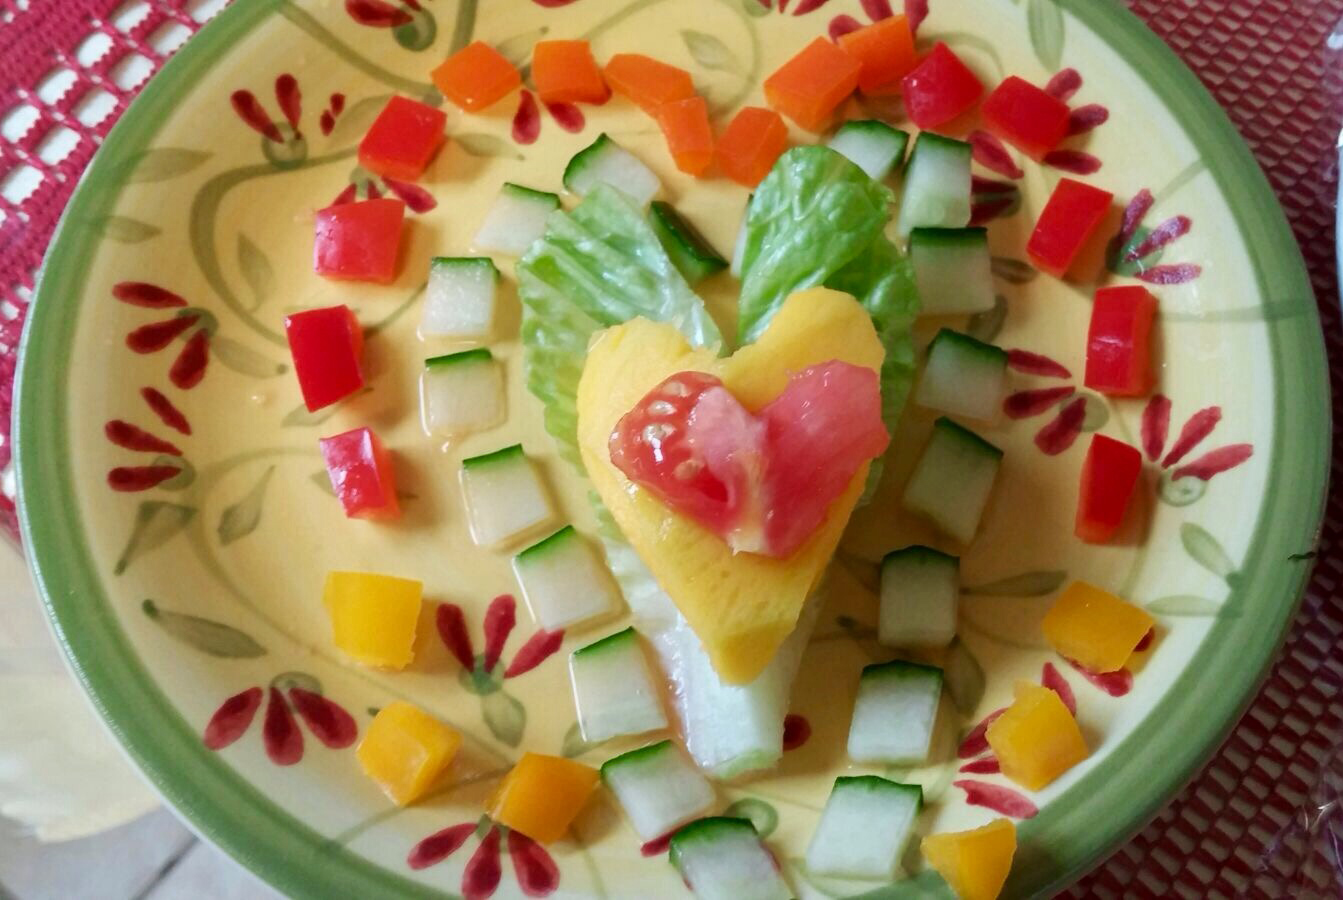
x=975, y=863
x=373, y=617
x=405, y=750
x=1036, y=740
x=1095, y=628
x=542, y=796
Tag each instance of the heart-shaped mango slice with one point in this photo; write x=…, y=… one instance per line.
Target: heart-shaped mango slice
x=742, y=606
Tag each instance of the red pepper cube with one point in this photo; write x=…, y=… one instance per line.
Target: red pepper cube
x=327, y=345
x=565, y=72
x=1067, y=223
x=361, y=474
x=359, y=241
x=940, y=89
x=1119, y=344
x=403, y=139
x=811, y=86
x=1027, y=117
x=477, y=76
x=1109, y=478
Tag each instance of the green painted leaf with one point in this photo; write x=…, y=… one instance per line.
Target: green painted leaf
x=1206, y=550
x=155, y=523
x=762, y=815
x=243, y=517
x=1014, y=271
x=1027, y=584
x=205, y=635
x=356, y=119
x=419, y=33
x=243, y=359
x=323, y=481
x=299, y=417
x=1180, y=491
x=256, y=270
x=487, y=145
x=183, y=479
x=1045, y=21
x=710, y=52
x=1116, y=254
x=986, y=326
x=125, y=230
x=575, y=745
x=755, y=9
x=926, y=885
x=964, y=676
x=505, y=716
x=1184, y=605
x=286, y=680
x=160, y=164
x=518, y=48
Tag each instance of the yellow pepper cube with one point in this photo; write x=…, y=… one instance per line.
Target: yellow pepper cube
x=1095, y=628
x=1036, y=740
x=975, y=863
x=542, y=796
x=405, y=751
x=373, y=617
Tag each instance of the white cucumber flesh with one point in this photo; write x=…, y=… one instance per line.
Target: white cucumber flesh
x=606, y=162
x=894, y=714
x=659, y=789
x=920, y=594
x=873, y=146
x=724, y=859
x=614, y=689
x=864, y=828
x=505, y=499
x=515, y=220
x=953, y=270
x=953, y=480
x=937, y=185
x=963, y=377
x=564, y=583
x=460, y=299
x=461, y=392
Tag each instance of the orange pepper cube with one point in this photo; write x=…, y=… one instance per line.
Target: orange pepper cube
x=885, y=54
x=477, y=76
x=811, y=86
x=753, y=141
x=685, y=125
x=975, y=863
x=565, y=72
x=405, y=750
x=1036, y=740
x=1094, y=628
x=648, y=82
x=374, y=617
x=542, y=796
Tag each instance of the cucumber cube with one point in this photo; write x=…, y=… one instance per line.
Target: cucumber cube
x=893, y=718
x=873, y=146
x=963, y=377
x=920, y=593
x=937, y=185
x=953, y=270
x=864, y=829
x=614, y=689
x=459, y=301
x=659, y=789
x=564, y=583
x=688, y=250
x=606, y=162
x=461, y=392
x=724, y=859
x=516, y=220
x=504, y=496
x=953, y=479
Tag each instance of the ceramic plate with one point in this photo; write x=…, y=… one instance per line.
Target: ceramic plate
x=181, y=527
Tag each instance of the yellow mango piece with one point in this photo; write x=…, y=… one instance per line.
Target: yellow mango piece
x=1036, y=740
x=373, y=617
x=405, y=750
x=741, y=606
x=542, y=796
x=1095, y=628
x=975, y=863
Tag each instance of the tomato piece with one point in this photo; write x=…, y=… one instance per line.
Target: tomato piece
x=648, y=82
x=476, y=77
x=1026, y=117
x=1109, y=478
x=359, y=241
x=565, y=72
x=361, y=474
x=885, y=54
x=685, y=124
x=403, y=139
x=327, y=346
x=940, y=89
x=753, y=142
x=811, y=86
x=1119, y=351
x=1066, y=225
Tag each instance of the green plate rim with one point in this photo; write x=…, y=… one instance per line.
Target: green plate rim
x=295, y=859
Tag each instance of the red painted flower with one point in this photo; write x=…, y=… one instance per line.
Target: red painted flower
x=283, y=739
x=284, y=143
x=527, y=120
x=364, y=185
x=876, y=10
x=1185, y=480
x=990, y=152
x=1137, y=250
x=411, y=25
x=535, y=870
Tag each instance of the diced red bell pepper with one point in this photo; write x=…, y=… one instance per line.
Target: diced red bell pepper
x=361, y=474
x=1067, y=223
x=1026, y=117
x=404, y=137
x=811, y=86
x=1119, y=351
x=1109, y=478
x=327, y=345
x=359, y=241
x=940, y=88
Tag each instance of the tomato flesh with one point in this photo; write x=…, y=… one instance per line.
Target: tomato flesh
x=940, y=89
x=361, y=474
x=327, y=345
x=403, y=139
x=1119, y=352
x=1026, y=117
x=359, y=241
x=1109, y=478
x=1066, y=225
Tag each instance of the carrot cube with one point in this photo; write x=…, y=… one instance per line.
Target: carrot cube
x=648, y=82
x=1094, y=628
x=565, y=72
x=811, y=86
x=685, y=124
x=885, y=54
x=476, y=76
x=542, y=796
x=753, y=141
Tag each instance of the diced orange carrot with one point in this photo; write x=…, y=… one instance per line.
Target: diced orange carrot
x=565, y=72
x=648, y=82
x=476, y=76
x=810, y=86
x=754, y=139
x=685, y=124
x=885, y=54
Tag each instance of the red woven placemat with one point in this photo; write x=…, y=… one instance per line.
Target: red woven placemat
x=1258, y=820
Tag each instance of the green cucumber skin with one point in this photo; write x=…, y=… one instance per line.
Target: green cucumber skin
x=626, y=638
x=486, y=460
x=479, y=354
x=936, y=238
x=966, y=344
x=876, y=784
x=964, y=435
x=580, y=159
x=921, y=554
x=465, y=262
x=935, y=142
x=531, y=194
x=880, y=131
x=899, y=668
x=706, y=831
x=688, y=250
x=559, y=539
x=636, y=757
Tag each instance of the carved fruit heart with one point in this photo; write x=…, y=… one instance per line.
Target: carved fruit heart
x=743, y=605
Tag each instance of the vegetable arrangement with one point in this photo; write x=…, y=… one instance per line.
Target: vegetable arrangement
x=724, y=482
